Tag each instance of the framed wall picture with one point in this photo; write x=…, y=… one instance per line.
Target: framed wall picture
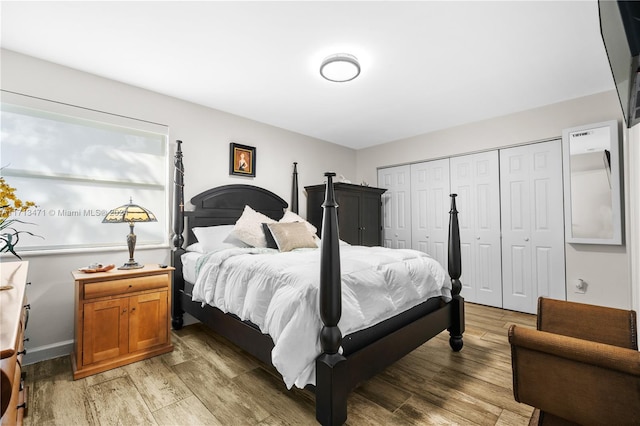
x=242, y=160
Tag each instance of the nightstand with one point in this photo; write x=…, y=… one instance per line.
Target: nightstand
x=121, y=316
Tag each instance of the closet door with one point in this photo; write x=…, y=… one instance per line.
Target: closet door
x=475, y=178
x=396, y=206
x=532, y=225
x=430, y=208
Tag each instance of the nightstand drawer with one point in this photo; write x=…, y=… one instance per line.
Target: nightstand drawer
x=124, y=286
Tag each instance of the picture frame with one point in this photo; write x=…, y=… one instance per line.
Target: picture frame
x=242, y=160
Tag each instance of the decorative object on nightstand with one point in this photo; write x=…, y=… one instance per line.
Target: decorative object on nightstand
x=130, y=213
x=121, y=316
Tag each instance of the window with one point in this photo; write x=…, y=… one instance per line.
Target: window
x=76, y=165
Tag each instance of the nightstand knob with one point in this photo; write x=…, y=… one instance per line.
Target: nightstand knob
x=22, y=352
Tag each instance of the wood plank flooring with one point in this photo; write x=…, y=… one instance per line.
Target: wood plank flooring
x=207, y=380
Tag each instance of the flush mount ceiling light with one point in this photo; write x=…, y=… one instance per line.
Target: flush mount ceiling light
x=340, y=67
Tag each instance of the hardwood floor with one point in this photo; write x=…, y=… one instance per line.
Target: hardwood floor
x=432, y=385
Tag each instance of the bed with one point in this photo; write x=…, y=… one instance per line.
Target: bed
x=343, y=362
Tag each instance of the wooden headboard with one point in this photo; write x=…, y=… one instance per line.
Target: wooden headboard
x=224, y=206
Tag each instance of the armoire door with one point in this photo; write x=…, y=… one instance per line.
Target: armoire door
x=396, y=206
x=532, y=225
x=348, y=216
x=370, y=220
x=430, y=208
x=475, y=178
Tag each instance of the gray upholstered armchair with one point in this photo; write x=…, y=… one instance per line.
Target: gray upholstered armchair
x=581, y=365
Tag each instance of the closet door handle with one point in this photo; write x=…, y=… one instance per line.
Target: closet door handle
x=526, y=239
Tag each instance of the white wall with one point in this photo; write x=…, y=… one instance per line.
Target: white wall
x=605, y=268
x=206, y=134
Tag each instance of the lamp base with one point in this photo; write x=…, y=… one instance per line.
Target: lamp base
x=131, y=265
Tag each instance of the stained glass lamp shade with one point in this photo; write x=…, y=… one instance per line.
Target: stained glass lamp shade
x=130, y=213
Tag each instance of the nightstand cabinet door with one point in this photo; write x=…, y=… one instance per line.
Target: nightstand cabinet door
x=105, y=333
x=148, y=320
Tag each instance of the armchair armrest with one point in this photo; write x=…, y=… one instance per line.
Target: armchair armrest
x=581, y=381
x=598, y=354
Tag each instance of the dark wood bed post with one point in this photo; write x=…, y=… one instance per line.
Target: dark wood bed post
x=331, y=374
x=178, y=238
x=455, y=270
x=294, y=189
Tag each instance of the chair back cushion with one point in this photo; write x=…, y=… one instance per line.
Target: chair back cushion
x=601, y=324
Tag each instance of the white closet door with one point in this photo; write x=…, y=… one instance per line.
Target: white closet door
x=475, y=178
x=396, y=206
x=532, y=225
x=430, y=208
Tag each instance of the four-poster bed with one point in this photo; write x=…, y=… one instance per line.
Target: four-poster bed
x=344, y=361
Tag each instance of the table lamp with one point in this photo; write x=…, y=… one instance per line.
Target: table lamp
x=130, y=213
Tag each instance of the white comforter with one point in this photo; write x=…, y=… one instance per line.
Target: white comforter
x=279, y=293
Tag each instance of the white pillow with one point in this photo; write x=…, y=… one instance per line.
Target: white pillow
x=248, y=228
x=231, y=239
x=213, y=238
x=290, y=217
x=195, y=247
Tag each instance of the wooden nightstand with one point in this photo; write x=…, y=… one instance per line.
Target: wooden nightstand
x=122, y=316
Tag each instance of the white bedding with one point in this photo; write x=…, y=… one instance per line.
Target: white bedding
x=189, y=260
x=278, y=292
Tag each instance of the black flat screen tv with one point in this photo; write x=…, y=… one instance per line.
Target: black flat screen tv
x=620, y=30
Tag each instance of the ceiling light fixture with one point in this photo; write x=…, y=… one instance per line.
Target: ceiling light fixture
x=340, y=67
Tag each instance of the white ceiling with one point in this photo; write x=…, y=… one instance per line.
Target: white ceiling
x=426, y=65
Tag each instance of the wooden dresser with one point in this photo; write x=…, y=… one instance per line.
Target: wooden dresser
x=359, y=211
x=13, y=322
x=121, y=316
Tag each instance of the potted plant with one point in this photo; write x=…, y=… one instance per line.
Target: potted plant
x=10, y=204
